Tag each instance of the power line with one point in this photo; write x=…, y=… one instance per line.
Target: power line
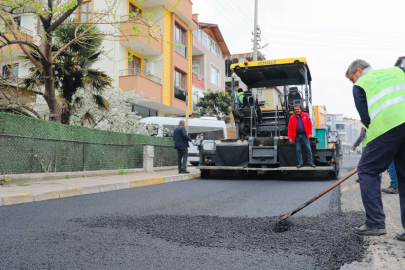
x=241, y=12
x=236, y=21
x=220, y=13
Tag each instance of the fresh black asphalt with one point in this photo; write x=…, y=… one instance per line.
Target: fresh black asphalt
x=196, y=224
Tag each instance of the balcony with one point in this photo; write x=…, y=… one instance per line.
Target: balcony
x=138, y=34
x=183, y=9
x=141, y=82
x=198, y=81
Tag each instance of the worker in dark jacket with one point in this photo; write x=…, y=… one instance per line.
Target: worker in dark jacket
x=300, y=131
x=379, y=96
x=181, y=140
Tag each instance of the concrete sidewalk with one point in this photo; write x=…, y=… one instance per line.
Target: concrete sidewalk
x=81, y=184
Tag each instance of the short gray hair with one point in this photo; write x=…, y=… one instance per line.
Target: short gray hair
x=358, y=63
x=181, y=121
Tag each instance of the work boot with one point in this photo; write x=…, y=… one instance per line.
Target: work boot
x=390, y=190
x=400, y=237
x=185, y=172
x=300, y=165
x=366, y=230
x=312, y=165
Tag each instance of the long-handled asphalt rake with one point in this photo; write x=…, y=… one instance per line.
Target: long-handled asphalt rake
x=282, y=225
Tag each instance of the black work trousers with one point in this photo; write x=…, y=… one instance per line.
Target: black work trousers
x=376, y=157
x=182, y=154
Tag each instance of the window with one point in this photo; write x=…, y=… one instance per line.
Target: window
x=10, y=73
x=215, y=75
x=134, y=65
x=179, y=79
x=143, y=111
x=84, y=11
x=208, y=135
x=340, y=126
x=134, y=9
x=168, y=131
x=196, y=67
x=40, y=28
x=179, y=34
x=179, y=40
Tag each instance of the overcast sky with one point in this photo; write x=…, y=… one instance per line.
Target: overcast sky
x=330, y=34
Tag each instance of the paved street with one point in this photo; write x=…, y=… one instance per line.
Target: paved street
x=195, y=224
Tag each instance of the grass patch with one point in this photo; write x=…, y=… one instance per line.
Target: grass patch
x=122, y=172
x=68, y=176
x=84, y=176
x=22, y=184
x=4, y=180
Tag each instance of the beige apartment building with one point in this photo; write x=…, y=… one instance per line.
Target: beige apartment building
x=158, y=66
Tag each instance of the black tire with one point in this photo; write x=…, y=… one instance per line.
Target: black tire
x=204, y=174
x=194, y=163
x=335, y=173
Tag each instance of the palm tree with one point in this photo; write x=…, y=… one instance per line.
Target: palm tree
x=72, y=70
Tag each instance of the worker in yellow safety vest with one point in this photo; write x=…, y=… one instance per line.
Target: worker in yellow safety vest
x=379, y=96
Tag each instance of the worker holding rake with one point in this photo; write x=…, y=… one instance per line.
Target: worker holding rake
x=379, y=96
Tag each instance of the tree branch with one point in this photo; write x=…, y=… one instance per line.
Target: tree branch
x=63, y=17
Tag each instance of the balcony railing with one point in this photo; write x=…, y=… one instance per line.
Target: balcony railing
x=180, y=93
x=154, y=31
x=204, y=39
x=137, y=71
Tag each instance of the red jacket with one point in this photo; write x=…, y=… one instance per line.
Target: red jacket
x=292, y=125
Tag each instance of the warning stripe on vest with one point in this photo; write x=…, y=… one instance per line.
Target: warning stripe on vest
x=386, y=104
x=385, y=92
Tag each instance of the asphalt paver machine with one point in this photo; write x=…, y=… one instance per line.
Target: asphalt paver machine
x=262, y=144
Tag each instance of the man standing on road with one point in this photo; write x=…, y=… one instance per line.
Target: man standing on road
x=181, y=140
x=393, y=188
x=379, y=96
x=300, y=131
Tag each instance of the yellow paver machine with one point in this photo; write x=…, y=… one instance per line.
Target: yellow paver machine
x=262, y=145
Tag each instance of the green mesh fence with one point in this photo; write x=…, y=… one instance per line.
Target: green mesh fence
x=29, y=145
x=165, y=156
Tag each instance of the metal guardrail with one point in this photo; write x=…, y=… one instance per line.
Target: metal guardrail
x=140, y=72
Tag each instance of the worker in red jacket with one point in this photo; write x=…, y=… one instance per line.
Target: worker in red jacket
x=300, y=130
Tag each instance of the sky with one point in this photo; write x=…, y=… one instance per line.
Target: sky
x=330, y=34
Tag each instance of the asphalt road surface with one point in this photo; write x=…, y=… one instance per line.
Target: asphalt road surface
x=196, y=224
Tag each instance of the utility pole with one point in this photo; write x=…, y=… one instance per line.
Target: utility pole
x=256, y=33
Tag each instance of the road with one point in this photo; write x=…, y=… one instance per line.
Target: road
x=196, y=224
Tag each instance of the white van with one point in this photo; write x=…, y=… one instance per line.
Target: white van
x=211, y=128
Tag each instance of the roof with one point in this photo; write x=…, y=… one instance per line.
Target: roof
x=272, y=73
x=215, y=34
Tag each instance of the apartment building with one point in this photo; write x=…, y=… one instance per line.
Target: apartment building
x=158, y=65
x=208, y=66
